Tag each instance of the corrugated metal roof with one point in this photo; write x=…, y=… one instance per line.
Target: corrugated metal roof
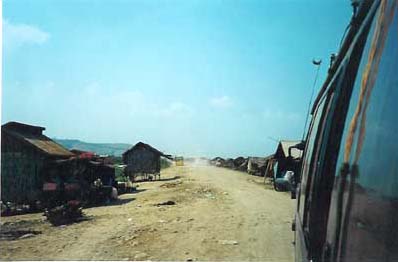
x=285, y=144
x=39, y=141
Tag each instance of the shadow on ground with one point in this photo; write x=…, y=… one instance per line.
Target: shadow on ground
x=120, y=202
x=160, y=180
x=169, y=179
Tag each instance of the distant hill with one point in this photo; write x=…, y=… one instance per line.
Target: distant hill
x=115, y=149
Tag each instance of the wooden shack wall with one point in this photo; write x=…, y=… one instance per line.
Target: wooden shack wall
x=21, y=168
x=81, y=171
x=142, y=160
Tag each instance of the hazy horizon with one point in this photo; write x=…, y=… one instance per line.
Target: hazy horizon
x=194, y=78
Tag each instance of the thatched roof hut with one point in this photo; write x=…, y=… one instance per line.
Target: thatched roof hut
x=143, y=159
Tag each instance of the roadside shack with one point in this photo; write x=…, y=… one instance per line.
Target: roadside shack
x=287, y=158
x=258, y=165
x=25, y=155
x=143, y=160
x=92, y=180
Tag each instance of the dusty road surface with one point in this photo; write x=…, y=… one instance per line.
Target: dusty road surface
x=218, y=214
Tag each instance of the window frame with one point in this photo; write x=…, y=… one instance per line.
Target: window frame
x=327, y=143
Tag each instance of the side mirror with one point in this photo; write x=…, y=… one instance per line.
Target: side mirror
x=300, y=146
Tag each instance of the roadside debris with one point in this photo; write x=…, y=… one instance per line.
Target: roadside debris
x=228, y=242
x=140, y=256
x=171, y=184
x=210, y=195
x=125, y=187
x=64, y=214
x=166, y=203
x=134, y=243
x=10, y=209
x=17, y=234
x=27, y=236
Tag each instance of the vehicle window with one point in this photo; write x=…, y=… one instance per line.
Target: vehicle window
x=324, y=158
x=314, y=163
x=305, y=176
x=328, y=147
x=371, y=210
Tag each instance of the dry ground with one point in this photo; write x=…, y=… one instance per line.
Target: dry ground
x=219, y=215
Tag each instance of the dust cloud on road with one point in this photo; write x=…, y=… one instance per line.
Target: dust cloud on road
x=195, y=212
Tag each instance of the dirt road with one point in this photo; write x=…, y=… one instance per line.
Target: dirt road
x=218, y=214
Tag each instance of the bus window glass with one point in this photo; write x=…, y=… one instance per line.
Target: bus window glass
x=308, y=155
x=372, y=230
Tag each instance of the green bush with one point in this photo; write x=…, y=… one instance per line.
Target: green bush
x=119, y=174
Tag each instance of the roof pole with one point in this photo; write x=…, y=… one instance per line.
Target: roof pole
x=317, y=63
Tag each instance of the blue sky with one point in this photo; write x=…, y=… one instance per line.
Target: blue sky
x=198, y=78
